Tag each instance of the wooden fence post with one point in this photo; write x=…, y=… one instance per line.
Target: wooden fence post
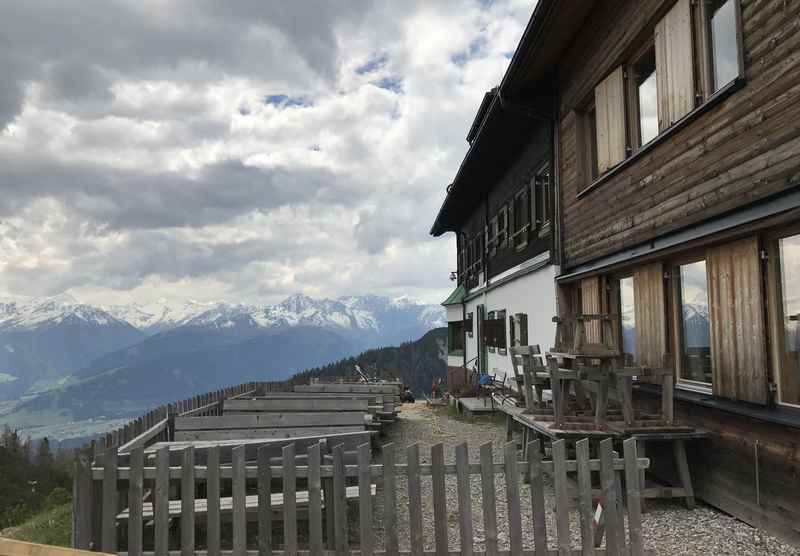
x=390, y=500
x=109, y=519
x=439, y=500
x=512, y=498
x=82, y=502
x=464, y=499
x=414, y=500
x=488, y=499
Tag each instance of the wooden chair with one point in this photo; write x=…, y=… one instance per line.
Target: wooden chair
x=530, y=373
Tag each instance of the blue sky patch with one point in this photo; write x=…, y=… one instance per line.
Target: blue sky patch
x=284, y=101
x=373, y=64
x=394, y=84
x=474, y=50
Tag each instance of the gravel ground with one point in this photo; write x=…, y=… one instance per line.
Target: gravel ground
x=669, y=528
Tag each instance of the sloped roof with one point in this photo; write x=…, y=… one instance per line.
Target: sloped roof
x=456, y=297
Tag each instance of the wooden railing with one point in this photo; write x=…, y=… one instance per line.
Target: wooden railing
x=144, y=508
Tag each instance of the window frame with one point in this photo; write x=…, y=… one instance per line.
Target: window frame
x=677, y=317
x=704, y=47
x=520, y=234
x=775, y=311
x=453, y=328
x=646, y=49
x=469, y=324
x=541, y=192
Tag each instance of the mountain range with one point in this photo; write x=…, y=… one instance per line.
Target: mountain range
x=62, y=360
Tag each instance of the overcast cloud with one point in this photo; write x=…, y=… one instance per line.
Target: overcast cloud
x=241, y=150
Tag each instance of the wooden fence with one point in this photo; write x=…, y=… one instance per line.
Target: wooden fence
x=164, y=510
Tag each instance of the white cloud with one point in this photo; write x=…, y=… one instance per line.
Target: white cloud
x=237, y=150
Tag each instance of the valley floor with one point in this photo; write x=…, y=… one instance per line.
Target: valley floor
x=669, y=528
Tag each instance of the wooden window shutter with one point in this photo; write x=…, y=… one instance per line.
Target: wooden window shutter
x=674, y=64
x=590, y=305
x=650, y=314
x=736, y=327
x=609, y=102
x=522, y=328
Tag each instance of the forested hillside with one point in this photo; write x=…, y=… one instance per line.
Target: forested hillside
x=415, y=363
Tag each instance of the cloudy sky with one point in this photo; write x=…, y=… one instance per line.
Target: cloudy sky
x=241, y=150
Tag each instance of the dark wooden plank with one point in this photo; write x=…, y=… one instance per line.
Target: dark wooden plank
x=314, y=500
x=269, y=421
x=632, y=484
x=562, y=497
x=414, y=500
x=464, y=499
x=341, y=541
x=187, y=503
x=536, y=480
x=135, y=495
x=212, y=502
x=265, y=500
x=439, y=495
x=488, y=500
x=585, y=496
x=289, y=500
x=390, y=500
x=82, y=501
x=239, y=517
x=162, y=502
x=609, y=488
x=679, y=450
x=110, y=498
x=365, y=500
x=512, y=498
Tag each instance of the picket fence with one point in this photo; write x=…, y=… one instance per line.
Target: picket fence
x=145, y=507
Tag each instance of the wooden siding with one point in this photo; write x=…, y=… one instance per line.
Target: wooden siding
x=649, y=307
x=737, y=328
x=741, y=150
x=674, y=64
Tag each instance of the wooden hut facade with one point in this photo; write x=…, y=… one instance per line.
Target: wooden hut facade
x=676, y=156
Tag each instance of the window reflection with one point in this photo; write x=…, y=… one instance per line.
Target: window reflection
x=627, y=316
x=723, y=43
x=790, y=290
x=647, y=97
x=695, y=344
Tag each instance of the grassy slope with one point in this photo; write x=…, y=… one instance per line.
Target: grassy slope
x=53, y=526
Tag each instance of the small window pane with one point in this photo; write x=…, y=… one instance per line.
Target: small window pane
x=696, y=342
x=790, y=290
x=627, y=316
x=723, y=43
x=648, y=101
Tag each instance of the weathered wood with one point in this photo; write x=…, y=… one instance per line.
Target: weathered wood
x=144, y=437
x=109, y=538
x=265, y=433
x=414, y=500
x=349, y=388
x=187, y=503
x=512, y=497
x=269, y=420
x=613, y=521
x=232, y=407
x=289, y=500
x=562, y=497
x=161, y=508
x=632, y=483
x=135, y=494
x=464, y=499
x=315, y=501
x=365, y=500
x=682, y=464
x=488, y=501
x=439, y=495
x=585, y=496
x=390, y=500
x=82, y=502
x=536, y=480
x=213, y=503
x=341, y=541
x=238, y=491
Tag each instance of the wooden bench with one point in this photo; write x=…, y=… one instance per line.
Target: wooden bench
x=269, y=425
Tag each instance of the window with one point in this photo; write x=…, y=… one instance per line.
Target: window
x=646, y=102
x=627, y=317
x=520, y=219
x=724, y=43
x=695, y=341
x=518, y=329
x=502, y=227
x=494, y=331
x=455, y=337
x=491, y=237
x=541, y=199
x=789, y=371
x=468, y=324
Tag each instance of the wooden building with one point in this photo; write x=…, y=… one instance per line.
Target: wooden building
x=677, y=163
x=500, y=207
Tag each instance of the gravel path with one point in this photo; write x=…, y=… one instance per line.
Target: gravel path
x=669, y=528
